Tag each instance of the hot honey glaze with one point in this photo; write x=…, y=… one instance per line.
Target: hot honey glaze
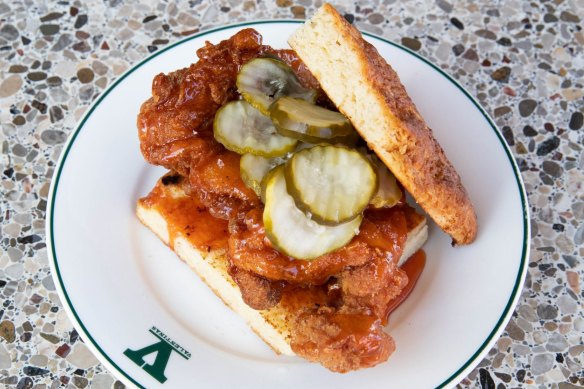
x=413, y=268
x=187, y=217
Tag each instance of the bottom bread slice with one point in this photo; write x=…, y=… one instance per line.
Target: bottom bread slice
x=210, y=263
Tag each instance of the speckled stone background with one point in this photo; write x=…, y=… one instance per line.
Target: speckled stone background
x=523, y=60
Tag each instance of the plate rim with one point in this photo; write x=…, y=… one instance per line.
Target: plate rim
x=104, y=358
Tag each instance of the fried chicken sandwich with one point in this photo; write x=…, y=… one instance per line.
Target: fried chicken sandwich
x=282, y=192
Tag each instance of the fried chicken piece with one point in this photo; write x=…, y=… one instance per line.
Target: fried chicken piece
x=175, y=123
x=384, y=230
x=257, y=292
x=217, y=183
x=372, y=286
x=340, y=342
x=250, y=249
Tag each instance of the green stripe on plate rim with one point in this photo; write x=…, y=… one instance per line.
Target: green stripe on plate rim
x=520, y=275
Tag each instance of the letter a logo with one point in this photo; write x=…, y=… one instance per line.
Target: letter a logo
x=163, y=349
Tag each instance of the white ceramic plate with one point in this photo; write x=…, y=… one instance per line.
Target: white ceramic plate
x=123, y=288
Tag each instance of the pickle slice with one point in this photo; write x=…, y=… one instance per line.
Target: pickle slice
x=334, y=184
x=308, y=122
x=265, y=181
x=243, y=129
x=303, y=146
x=262, y=81
x=291, y=231
x=253, y=169
x=388, y=194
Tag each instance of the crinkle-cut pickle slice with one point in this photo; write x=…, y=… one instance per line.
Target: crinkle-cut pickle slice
x=308, y=122
x=254, y=168
x=262, y=81
x=243, y=129
x=388, y=194
x=291, y=231
x=334, y=184
x=265, y=181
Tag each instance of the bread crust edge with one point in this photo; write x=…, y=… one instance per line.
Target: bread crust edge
x=403, y=141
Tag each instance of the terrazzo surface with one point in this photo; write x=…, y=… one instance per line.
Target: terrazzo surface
x=522, y=60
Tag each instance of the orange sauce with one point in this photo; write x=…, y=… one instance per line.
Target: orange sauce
x=413, y=268
x=186, y=216
x=296, y=298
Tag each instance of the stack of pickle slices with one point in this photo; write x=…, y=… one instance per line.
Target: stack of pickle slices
x=303, y=161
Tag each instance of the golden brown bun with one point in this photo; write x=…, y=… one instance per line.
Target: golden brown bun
x=368, y=91
x=272, y=325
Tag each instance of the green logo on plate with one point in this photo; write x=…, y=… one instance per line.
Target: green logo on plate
x=163, y=348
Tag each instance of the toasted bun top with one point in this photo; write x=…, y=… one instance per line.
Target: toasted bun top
x=368, y=91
